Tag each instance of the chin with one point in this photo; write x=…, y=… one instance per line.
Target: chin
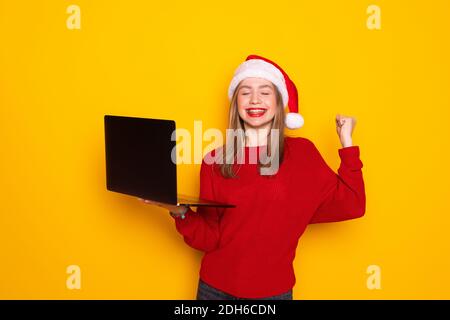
x=256, y=124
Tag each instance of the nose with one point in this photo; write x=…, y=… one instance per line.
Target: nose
x=254, y=99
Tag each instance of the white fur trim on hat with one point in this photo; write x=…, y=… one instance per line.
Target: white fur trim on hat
x=294, y=120
x=259, y=69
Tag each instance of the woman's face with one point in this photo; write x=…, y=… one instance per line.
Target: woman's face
x=257, y=102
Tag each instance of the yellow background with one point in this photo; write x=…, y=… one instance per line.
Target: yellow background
x=174, y=60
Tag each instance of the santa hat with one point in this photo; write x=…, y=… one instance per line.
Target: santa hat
x=259, y=67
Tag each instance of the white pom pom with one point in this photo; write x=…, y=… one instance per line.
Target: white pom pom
x=294, y=120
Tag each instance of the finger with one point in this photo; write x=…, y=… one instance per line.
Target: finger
x=341, y=119
x=347, y=120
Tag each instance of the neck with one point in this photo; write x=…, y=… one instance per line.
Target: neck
x=256, y=136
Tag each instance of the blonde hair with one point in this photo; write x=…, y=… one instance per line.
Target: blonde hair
x=236, y=123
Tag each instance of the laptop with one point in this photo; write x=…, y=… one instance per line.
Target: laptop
x=138, y=161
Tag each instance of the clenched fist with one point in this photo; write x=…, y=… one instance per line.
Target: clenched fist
x=344, y=129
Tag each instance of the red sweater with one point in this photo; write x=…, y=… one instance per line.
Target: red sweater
x=250, y=249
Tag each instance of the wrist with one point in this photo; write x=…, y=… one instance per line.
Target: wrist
x=346, y=142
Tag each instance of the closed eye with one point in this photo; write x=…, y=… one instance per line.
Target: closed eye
x=263, y=93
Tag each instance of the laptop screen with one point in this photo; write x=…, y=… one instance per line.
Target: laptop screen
x=138, y=157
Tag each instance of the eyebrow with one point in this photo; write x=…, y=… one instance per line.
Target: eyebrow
x=260, y=87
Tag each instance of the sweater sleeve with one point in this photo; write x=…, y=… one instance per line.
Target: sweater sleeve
x=200, y=229
x=342, y=195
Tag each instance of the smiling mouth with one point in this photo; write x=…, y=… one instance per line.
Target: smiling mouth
x=255, y=112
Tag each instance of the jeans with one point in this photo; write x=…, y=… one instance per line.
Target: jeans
x=206, y=292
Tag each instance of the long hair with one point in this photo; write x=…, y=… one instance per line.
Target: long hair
x=236, y=124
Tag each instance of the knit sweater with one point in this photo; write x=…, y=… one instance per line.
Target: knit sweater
x=250, y=249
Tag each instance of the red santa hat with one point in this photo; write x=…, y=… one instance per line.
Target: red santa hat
x=259, y=67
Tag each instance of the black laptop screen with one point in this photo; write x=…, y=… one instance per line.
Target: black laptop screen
x=138, y=157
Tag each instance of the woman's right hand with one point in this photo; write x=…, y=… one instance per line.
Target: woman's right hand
x=178, y=210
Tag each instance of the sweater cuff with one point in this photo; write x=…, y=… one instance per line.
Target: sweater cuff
x=350, y=157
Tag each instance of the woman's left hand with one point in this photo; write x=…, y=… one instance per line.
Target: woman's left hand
x=344, y=129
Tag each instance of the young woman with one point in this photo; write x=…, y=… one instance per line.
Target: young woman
x=249, y=249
